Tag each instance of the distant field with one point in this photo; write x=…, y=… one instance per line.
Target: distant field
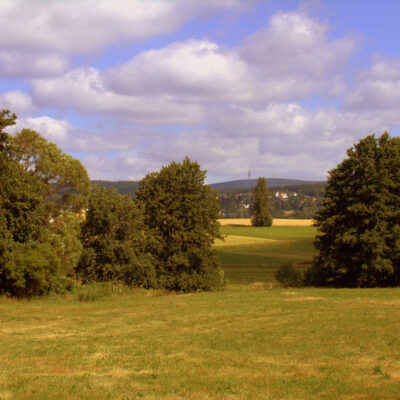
x=276, y=222
x=246, y=260
x=248, y=342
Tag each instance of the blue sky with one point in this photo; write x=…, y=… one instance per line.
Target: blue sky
x=282, y=88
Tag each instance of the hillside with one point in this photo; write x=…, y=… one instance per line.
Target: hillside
x=129, y=187
x=251, y=183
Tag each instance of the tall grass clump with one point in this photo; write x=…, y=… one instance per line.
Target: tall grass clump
x=95, y=291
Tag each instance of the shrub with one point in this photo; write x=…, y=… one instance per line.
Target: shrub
x=29, y=269
x=288, y=276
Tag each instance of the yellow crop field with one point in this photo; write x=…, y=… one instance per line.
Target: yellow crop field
x=277, y=222
x=233, y=241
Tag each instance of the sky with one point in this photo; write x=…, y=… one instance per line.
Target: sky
x=278, y=87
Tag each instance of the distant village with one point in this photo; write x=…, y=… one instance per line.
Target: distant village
x=292, y=201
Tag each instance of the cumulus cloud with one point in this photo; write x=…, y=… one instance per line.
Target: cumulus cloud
x=38, y=38
x=84, y=90
x=17, y=101
x=20, y=64
x=183, y=82
x=278, y=63
x=295, y=50
x=86, y=26
x=195, y=70
x=377, y=90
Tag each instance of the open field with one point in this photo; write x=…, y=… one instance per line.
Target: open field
x=250, y=261
x=276, y=222
x=248, y=342
x=251, y=341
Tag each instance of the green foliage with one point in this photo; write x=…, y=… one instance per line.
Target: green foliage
x=40, y=187
x=261, y=216
x=288, y=276
x=114, y=241
x=359, y=223
x=66, y=179
x=28, y=269
x=63, y=234
x=181, y=213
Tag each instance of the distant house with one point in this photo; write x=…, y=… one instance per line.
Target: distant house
x=281, y=195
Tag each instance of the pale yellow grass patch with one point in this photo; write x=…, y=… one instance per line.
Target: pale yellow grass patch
x=276, y=222
x=232, y=240
x=308, y=298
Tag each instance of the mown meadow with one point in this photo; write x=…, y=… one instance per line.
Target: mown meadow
x=253, y=340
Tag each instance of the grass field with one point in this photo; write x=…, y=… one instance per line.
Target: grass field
x=251, y=341
x=276, y=222
x=250, y=261
x=248, y=342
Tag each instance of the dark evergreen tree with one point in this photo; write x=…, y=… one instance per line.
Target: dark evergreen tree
x=114, y=241
x=261, y=215
x=358, y=239
x=182, y=214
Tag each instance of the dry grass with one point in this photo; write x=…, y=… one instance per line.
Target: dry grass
x=234, y=241
x=277, y=222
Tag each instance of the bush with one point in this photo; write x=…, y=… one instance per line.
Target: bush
x=288, y=276
x=29, y=269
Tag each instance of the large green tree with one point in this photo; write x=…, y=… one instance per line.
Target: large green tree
x=358, y=239
x=114, y=240
x=40, y=189
x=181, y=213
x=66, y=179
x=261, y=215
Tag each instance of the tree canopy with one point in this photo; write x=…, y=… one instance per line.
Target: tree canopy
x=114, y=241
x=261, y=216
x=41, y=189
x=181, y=214
x=358, y=238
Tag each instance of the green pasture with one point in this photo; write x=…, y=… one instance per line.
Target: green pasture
x=250, y=261
x=251, y=341
x=247, y=342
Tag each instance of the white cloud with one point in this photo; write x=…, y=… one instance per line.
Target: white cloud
x=193, y=70
x=377, y=90
x=17, y=102
x=296, y=52
x=84, y=90
x=20, y=64
x=39, y=38
x=87, y=26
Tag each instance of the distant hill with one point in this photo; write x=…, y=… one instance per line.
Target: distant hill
x=123, y=187
x=271, y=182
x=130, y=187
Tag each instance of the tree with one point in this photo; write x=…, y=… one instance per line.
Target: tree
x=261, y=216
x=66, y=179
x=181, y=213
x=358, y=238
x=40, y=188
x=114, y=241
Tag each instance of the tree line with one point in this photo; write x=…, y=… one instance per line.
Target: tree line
x=57, y=231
